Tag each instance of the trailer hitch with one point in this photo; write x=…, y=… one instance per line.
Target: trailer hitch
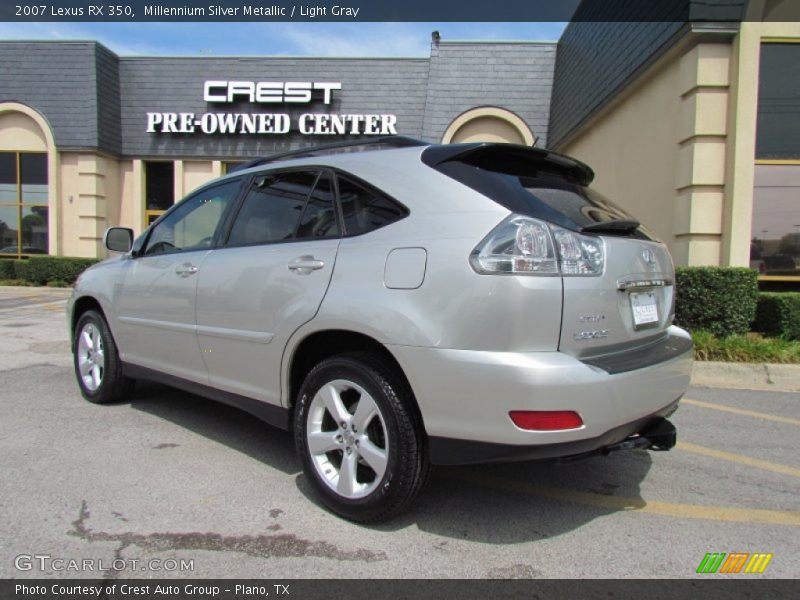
x=659, y=437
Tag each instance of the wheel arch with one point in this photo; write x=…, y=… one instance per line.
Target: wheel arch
x=318, y=345
x=79, y=307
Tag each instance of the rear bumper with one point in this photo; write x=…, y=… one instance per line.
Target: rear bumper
x=465, y=397
x=446, y=451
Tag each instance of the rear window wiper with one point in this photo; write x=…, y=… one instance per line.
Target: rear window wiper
x=614, y=226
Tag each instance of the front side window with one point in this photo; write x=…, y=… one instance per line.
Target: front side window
x=23, y=203
x=192, y=225
x=282, y=207
x=365, y=210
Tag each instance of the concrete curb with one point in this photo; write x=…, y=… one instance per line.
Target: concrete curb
x=747, y=376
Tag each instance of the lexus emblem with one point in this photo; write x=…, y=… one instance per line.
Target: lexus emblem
x=649, y=257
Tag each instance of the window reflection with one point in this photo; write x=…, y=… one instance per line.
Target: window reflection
x=23, y=203
x=775, y=236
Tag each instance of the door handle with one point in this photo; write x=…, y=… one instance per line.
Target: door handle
x=305, y=264
x=186, y=269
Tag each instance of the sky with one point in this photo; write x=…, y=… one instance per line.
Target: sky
x=291, y=39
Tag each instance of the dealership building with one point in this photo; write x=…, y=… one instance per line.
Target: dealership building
x=694, y=127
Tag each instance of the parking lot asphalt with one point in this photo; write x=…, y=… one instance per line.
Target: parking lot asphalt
x=170, y=476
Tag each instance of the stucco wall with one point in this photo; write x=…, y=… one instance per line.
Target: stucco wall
x=660, y=151
x=89, y=201
x=633, y=151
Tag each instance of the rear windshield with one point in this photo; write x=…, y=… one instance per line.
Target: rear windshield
x=542, y=195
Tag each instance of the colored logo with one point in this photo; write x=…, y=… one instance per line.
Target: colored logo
x=735, y=562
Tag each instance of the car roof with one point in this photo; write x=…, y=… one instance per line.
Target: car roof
x=388, y=150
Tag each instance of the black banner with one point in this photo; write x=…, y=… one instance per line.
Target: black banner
x=387, y=10
x=283, y=10
x=705, y=587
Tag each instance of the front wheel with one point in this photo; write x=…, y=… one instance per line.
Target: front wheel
x=359, y=438
x=98, y=368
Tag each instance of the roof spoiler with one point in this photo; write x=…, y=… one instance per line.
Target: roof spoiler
x=511, y=158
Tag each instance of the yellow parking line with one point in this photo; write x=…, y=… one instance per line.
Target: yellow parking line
x=741, y=411
x=621, y=503
x=741, y=459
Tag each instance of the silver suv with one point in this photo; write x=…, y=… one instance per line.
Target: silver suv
x=398, y=304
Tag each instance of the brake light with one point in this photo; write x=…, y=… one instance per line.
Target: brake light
x=546, y=420
x=524, y=246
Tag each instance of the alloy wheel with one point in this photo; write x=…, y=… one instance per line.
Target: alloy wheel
x=91, y=357
x=347, y=439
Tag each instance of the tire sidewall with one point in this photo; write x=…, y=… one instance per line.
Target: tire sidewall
x=352, y=370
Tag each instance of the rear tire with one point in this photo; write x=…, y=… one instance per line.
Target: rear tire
x=359, y=437
x=98, y=368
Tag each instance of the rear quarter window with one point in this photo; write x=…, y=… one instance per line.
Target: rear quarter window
x=364, y=209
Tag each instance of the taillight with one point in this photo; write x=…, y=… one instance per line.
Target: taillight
x=546, y=420
x=579, y=254
x=525, y=246
x=517, y=245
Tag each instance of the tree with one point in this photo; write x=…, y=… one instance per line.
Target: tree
x=790, y=244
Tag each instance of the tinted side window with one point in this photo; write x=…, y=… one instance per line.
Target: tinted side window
x=191, y=226
x=364, y=210
x=319, y=216
x=272, y=208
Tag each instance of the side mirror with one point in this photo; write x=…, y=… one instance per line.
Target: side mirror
x=118, y=239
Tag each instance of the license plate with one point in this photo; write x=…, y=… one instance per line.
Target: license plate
x=645, y=308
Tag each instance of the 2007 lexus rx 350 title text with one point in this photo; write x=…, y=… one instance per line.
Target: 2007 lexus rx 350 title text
x=398, y=304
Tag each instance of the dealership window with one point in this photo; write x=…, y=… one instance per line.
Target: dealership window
x=230, y=165
x=778, y=128
x=23, y=203
x=159, y=188
x=775, y=233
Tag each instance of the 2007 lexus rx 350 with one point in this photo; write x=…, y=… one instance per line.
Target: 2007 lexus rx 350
x=398, y=305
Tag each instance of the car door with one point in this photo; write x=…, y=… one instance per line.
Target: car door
x=155, y=301
x=268, y=279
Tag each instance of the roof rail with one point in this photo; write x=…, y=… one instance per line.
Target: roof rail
x=379, y=143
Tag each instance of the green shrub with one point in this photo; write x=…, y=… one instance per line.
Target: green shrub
x=721, y=300
x=778, y=314
x=21, y=270
x=7, y=270
x=40, y=270
x=744, y=348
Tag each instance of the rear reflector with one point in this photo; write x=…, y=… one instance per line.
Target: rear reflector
x=546, y=420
